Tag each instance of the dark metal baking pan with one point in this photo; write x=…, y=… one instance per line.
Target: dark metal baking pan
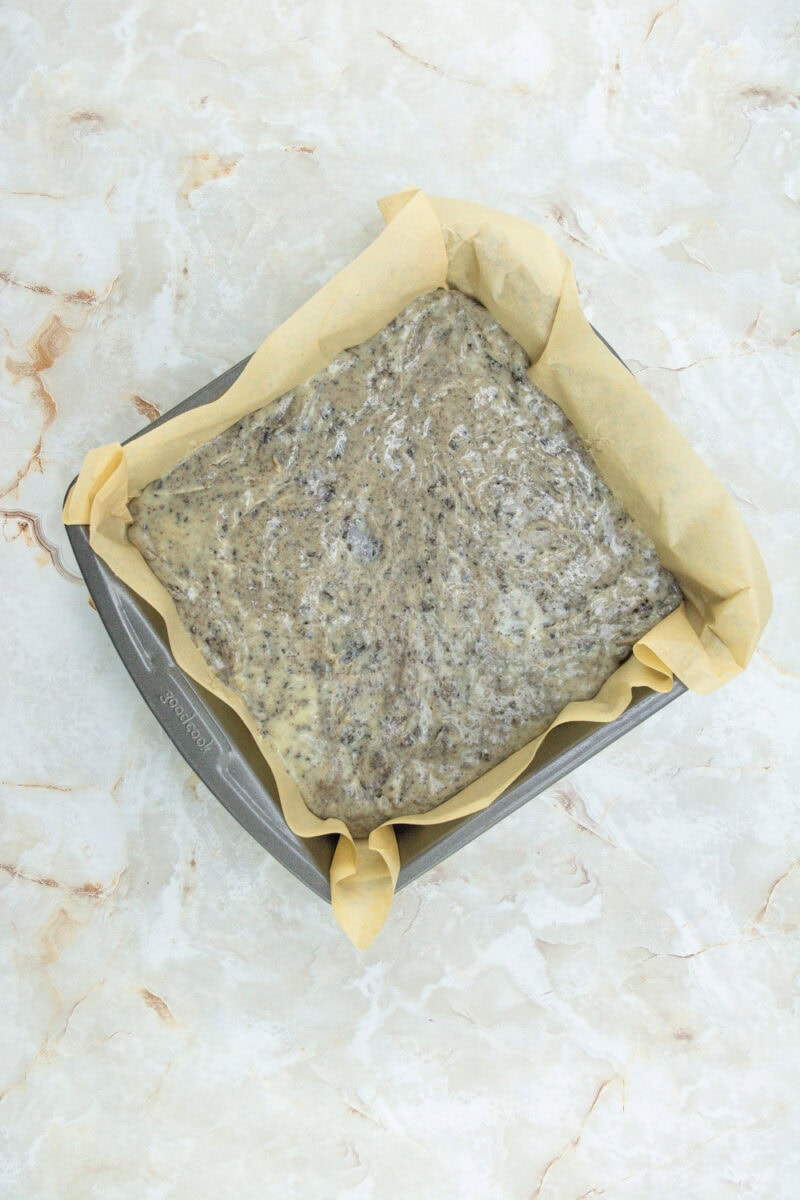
x=219, y=748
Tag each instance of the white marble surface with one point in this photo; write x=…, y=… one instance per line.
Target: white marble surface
x=599, y=997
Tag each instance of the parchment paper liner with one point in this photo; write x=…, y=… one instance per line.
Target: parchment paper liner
x=526, y=282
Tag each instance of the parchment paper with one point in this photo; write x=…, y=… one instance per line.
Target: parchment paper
x=526, y=282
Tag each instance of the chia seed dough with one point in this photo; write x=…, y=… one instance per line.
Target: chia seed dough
x=406, y=567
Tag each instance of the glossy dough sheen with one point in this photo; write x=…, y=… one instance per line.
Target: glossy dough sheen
x=406, y=567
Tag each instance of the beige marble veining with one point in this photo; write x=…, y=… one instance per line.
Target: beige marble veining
x=598, y=998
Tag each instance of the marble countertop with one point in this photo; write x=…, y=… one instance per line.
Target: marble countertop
x=598, y=998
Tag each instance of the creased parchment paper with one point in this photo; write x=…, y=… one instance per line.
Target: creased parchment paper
x=526, y=282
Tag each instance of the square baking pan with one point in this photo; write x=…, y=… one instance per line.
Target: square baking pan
x=220, y=749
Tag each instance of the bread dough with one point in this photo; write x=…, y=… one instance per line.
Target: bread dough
x=406, y=567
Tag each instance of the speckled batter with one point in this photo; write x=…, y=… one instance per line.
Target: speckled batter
x=406, y=567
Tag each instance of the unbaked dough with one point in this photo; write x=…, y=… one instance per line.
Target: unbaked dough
x=406, y=567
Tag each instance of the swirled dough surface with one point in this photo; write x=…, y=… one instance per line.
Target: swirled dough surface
x=406, y=567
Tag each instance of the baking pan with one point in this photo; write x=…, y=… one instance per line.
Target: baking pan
x=220, y=749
